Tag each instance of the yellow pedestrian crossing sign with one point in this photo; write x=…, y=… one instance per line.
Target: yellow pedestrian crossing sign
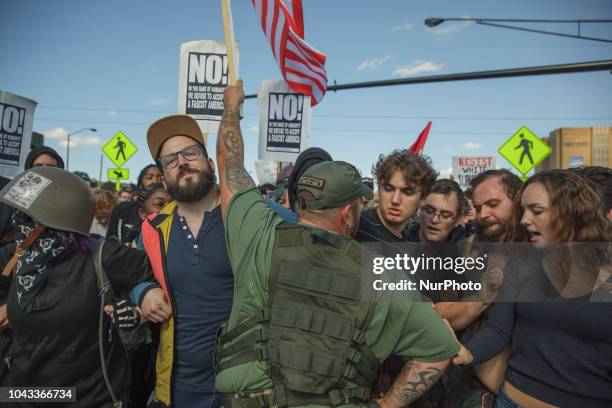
x=524, y=151
x=119, y=149
x=118, y=174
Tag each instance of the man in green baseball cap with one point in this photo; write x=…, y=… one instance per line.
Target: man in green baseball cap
x=301, y=331
x=329, y=195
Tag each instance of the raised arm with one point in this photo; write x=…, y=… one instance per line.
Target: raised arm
x=233, y=177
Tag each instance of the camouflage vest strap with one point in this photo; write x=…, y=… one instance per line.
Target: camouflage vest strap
x=262, y=316
x=304, y=318
x=281, y=397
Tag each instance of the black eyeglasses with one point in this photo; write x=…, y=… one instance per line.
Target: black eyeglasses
x=190, y=153
x=431, y=211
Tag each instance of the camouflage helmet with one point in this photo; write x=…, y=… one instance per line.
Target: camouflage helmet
x=52, y=197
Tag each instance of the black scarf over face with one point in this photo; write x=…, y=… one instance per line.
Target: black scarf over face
x=32, y=268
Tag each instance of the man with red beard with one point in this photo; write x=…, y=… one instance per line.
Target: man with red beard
x=495, y=197
x=185, y=243
x=403, y=179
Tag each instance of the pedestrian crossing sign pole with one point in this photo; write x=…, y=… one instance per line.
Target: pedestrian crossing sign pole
x=119, y=149
x=524, y=151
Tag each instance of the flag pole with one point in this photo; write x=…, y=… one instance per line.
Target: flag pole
x=228, y=29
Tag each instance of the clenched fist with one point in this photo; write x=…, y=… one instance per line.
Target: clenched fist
x=233, y=96
x=155, y=307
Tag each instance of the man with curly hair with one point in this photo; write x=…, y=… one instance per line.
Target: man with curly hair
x=403, y=179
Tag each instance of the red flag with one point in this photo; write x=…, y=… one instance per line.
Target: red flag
x=302, y=66
x=419, y=145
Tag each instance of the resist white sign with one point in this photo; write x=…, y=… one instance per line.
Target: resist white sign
x=466, y=168
x=284, y=122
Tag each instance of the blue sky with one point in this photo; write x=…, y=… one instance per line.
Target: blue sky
x=113, y=65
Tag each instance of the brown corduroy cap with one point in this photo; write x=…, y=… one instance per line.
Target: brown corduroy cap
x=169, y=126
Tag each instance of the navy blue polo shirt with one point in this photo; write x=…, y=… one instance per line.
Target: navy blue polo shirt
x=202, y=285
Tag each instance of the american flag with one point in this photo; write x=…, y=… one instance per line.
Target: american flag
x=302, y=66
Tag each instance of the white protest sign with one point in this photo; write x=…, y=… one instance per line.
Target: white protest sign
x=203, y=76
x=466, y=168
x=284, y=122
x=16, y=117
x=266, y=171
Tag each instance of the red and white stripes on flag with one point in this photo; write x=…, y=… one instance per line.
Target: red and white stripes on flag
x=302, y=66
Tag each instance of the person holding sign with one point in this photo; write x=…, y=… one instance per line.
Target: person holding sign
x=289, y=337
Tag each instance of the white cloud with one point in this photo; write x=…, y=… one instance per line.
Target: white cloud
x=450, y=27
x=76, y=141
x=402, y=27
x=112, y=112
x=61, y=136
x=253, y=129
x=90, y=141
x=55, y=134
x=446, y=173
x=157, y=101
x=417, y=67
x=471, y=146
x=373, y=63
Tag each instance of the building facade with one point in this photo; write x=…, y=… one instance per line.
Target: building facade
x=574, y=147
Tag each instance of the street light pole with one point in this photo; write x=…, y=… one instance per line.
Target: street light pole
x=68, y=144
x=494, y=22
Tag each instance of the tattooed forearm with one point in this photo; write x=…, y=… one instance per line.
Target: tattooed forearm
x=230, y=119
x=414, y=380
x=231, y=143
x=229, y=134
x=236, y=176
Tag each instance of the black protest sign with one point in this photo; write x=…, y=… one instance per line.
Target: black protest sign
x=12, y=119
x=207, y=79
x=285, y=114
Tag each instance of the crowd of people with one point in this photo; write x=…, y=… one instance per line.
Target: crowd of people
x=201, y=289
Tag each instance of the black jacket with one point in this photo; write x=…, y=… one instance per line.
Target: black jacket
x=57, y=343
x=124, y=219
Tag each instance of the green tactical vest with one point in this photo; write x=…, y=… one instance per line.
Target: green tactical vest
x=312, y=331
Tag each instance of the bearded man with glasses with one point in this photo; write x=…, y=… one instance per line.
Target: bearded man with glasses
x=186, y=246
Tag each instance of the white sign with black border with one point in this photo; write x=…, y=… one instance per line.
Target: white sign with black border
x=203, y=76
x=284, y=122
x=16, y=118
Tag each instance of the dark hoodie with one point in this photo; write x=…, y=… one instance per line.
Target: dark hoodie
x=37, y=151
x=305, y=160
